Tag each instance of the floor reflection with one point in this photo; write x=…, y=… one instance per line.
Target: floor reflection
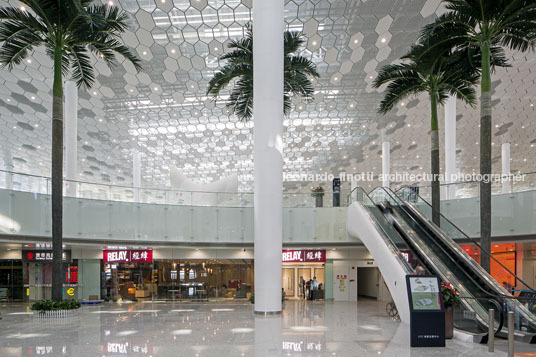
x=219, y=330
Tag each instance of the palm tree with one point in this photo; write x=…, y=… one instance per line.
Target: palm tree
x=298, y=71
x=482, y=25
x=437, y=73
x=69, y=30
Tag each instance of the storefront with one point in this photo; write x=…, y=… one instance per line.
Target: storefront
x=299, y=267
x=132, y=274
x=11, y=280
x=37, y=273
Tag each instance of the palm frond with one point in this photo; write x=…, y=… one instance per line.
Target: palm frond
x=241, y=99
x=293, y=40
x=302, y=65
x=45, y=10
x=228, y=73
x=82, y=70
x=109, y=19
x=14, y=51
x=16, y=17
x=238, y=69
x=398, y=90
x=238, y=56
x=391, y=72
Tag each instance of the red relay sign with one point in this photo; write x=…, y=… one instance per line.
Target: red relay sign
x=306, y=256
x=127, y=256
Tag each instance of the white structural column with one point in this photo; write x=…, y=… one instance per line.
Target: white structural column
x=268, y=27
x=505, y=160
x=9, y=176
x=386, y=163
x=450, y=147
x=136, y=175
x=71, y=137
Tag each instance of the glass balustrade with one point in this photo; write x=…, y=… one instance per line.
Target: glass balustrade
x=113, y=212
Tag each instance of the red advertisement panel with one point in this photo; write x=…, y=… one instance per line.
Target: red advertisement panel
x=127, y=256
x=304, y=256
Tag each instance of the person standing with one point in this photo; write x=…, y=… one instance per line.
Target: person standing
x=308, y=287
x=314, y=288
x=302, y=287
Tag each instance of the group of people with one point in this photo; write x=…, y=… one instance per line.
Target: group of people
x=310, y=288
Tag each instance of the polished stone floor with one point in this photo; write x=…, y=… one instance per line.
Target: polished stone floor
x=217, y=329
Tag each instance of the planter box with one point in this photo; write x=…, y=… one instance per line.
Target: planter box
x=56, y=313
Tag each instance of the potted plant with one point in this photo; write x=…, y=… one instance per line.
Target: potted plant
x=318, y=194
x=451, y=298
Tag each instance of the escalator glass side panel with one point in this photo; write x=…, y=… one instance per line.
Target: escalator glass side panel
x=437, y=263
x=480, y=283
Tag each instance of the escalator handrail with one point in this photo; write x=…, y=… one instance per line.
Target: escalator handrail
x=452, y=259
x=392, y=246
x=496, y=300
x=499, y=310
x=473, y=241
x=457, y=249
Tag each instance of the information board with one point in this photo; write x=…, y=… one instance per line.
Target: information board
x=425, y=293
x=427, y=317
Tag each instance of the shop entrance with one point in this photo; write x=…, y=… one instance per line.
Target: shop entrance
x=296, y=276
x=303, y=273
x=38, y=281
x=129, y=281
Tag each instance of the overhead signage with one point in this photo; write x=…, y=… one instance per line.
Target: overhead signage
x=127, y=256
x=44, y=256
x=304, y=256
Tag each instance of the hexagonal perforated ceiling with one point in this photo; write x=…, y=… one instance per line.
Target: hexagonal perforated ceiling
x=164, y=114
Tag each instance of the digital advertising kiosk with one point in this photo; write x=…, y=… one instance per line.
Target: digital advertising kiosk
x=427, y=317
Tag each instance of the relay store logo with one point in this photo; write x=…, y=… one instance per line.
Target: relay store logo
x=304, y=256
x=127, y=256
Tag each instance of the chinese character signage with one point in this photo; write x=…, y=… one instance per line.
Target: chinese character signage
x=44, y=256
x=304, y=256
x=127, y=256
x=71, y=274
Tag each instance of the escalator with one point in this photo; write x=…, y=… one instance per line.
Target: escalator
x=442, y=256
x=366, y=222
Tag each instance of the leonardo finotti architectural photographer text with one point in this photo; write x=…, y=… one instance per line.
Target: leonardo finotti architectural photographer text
x=403, y=177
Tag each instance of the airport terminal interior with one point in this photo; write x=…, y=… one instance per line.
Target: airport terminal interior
x=267, y=178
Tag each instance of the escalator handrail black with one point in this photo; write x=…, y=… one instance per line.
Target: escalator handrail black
x=452, y=259
x=491, y=282
x=497, y=300
x=500, y=311
x=472, y=240
x=390, y=243
x=468, y=260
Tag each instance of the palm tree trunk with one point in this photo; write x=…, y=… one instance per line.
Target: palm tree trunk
x=485, y=158
x=57, y=180
x=434, y=160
